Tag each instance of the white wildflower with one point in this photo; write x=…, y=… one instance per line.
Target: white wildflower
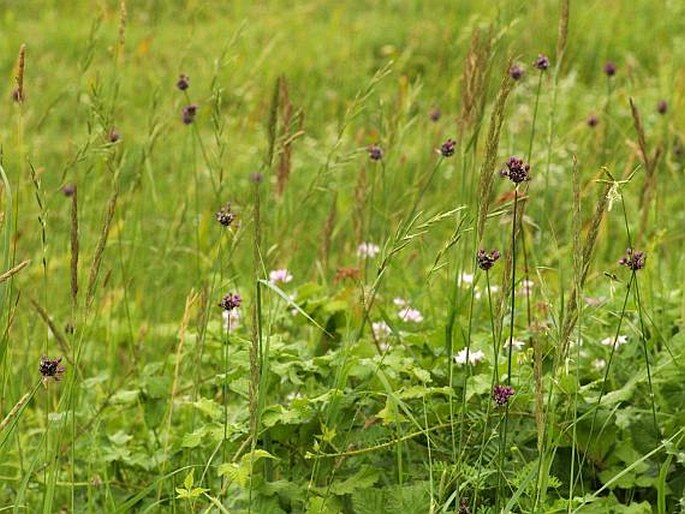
x=282, y=276
x=369, y=250
x=609, y=341
x=409, y=314
x=474, y=357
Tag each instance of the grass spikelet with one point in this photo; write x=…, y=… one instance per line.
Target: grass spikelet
x=584, y=266
x=562, y=33
x=13, y=271
x=487, y=171
x=474, y=80
x=74, y=243
x=100, y=248
x=18, y=93
x=121, y=40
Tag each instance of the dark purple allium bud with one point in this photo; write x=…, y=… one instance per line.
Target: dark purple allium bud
x=487, y=260
x=678, y=149
x=256, y=177
x=18, y=96
x=501, y=394
x=447, y=148
x=189, y=113
x=435, y=114
x=113, y=135
x=542, y=62
x=183, y=82
x=375, y=152
x=230, y=301
x=225, y=216
x=517, y=171
x=51, y=368
x=515, y=72
x=69, y=190
x=592, y=120
x=662, y=107
x=610, y=69
x=633, y=260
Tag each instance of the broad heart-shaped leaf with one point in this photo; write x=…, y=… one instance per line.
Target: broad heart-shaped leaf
x=241, y=472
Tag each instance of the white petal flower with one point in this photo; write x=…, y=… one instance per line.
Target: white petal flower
x=380, y=329
x=467, y=278
x=599, y=364
x=282, y=276
x=475, y=356
x=409, y=314
x=609, y=341
x=368, y=250
x=400, y=302
x=515, y=344
x=231, y=319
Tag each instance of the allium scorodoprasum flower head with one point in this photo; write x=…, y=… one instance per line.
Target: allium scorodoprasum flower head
x=183, y=82
x=113, y=135
x=517, y=171
x=225, y=216
x=230, y=301
x=633, y=260
x=610, y=69
x=542, y=62
x=592, y=120
x=434, y=115
x=501, y=394
x=662, y=107
x=50, y=368
x=516, y=72
x=189, y=113
x=69, y=190
x=487, y=260
x=375, y=153
x=447, y=148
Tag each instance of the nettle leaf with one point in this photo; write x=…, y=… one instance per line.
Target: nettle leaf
x=390, y=413
x=193, y=439
x=209, y=407
x=364, y=478
x=241, y=472
x=319, y=505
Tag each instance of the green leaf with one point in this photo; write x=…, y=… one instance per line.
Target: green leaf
x=188, y=482
x=364, y=478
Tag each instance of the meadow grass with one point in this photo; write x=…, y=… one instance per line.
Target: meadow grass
x=241, y=268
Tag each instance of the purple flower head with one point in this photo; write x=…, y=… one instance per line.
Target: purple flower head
x=51, y=368
x=610, y=69
x=256, y=177
x=662, y=107
x=375, y=152
x=487, y=260
x=225, y=216
x=515, y=72
x=183, y=82
x=69, y=190
x=517, y=171
x=189, y=113
x=592, y=120
x=501, y=394
x=230, y=301
x=434, y=115
x=447, y=148
x=113, y=135
x=633, y=260
x=542, y=62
